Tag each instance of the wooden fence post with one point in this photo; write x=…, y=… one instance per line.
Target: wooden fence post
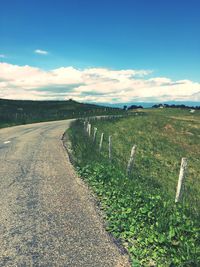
x=84, y=125
x=181, y=178
x=110, y=147
x=89, y=129
x=131, y=160
x=101, y=142
x=95, y=133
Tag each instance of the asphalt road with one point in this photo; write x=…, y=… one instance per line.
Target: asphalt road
x=47, y=216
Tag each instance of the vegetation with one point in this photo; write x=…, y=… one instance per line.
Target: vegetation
x=176, y=106
x=140, y=209
x=13, y=112
x=134, y=107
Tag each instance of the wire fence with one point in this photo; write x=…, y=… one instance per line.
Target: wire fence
x=103, y=145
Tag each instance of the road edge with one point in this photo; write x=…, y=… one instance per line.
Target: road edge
x=66, y=144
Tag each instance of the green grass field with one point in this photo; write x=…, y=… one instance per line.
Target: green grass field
x=140, y=209
x=15, y=112
x=162, y=139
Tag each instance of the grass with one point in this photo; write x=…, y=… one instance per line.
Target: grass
x=140, y=209
x=15, y=112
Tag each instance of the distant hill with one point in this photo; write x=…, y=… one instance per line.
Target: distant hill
x=14, y=112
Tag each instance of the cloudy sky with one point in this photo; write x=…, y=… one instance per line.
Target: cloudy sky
x=100, y=51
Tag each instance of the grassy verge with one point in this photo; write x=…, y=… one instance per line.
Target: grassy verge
x=140, y=209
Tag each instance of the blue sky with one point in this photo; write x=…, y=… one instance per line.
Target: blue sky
x=157, y=35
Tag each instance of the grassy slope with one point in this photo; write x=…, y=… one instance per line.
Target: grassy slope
x=140, y=209
x=14, y=112
x=162, y=139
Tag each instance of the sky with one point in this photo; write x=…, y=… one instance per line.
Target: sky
x=100, y=51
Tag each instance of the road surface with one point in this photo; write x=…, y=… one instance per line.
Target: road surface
x=47, y=216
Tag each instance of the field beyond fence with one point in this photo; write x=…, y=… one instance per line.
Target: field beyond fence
x=133, y=164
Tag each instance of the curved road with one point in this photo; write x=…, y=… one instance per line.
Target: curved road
x=47, y=217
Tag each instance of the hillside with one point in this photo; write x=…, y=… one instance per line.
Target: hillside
x=14, y=112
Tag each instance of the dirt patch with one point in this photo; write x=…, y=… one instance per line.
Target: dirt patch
x=189, y=133
x=185, y=119
x=168, y=127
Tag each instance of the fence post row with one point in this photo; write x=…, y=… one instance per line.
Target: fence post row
x=110, y=146
x=183, y=168
x=181, y=179
x=101, y=142
x=131, y=160
x=95, y=133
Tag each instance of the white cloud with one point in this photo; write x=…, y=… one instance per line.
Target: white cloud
x=92, y=84
x=41, y=52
